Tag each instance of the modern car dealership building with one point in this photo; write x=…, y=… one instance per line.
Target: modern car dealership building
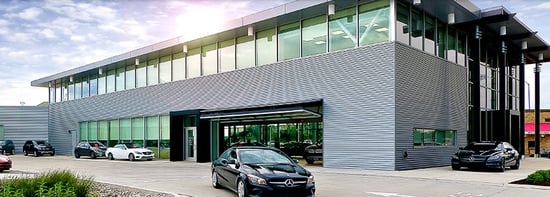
x=382, y=84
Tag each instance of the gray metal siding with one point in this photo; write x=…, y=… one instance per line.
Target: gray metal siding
x=356, y=86
x=430, y=93
x=23, y=123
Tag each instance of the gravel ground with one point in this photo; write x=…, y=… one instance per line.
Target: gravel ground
x=110, y=190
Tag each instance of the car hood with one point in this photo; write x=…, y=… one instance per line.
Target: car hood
x=44, y=146
x=140, y=149
x=464, y=153
x=276, y=169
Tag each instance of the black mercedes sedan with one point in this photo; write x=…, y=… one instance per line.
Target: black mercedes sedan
x=261, y=171
x=492, y=155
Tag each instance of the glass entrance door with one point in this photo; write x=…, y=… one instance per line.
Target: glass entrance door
x=191, y=143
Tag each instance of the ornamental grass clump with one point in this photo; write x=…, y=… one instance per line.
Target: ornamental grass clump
x=54, y=183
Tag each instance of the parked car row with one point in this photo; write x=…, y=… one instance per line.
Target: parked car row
x=488, y=155
x=129, y=151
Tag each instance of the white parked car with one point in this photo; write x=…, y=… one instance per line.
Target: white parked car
x=129, y=151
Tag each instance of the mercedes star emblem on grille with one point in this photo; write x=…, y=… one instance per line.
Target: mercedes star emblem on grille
x=289, y=182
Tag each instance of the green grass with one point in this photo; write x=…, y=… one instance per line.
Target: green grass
x=164, y=152
x=54, y=183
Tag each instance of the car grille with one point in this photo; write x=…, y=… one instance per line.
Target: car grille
x=474, y=159
x=147, y=153
x=284, y=182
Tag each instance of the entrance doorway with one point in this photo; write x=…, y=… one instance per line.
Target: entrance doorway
x=190, y=144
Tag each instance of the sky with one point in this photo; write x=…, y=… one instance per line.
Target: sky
x=39, y=38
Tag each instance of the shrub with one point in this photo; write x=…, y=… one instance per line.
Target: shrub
x=56, y=183
x=539, y=176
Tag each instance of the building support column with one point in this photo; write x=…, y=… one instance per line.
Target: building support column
x=502, y=134
x=474, y=134
x=537, y=108
x=521, y=147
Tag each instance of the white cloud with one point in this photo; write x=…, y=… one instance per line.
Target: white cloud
x=4, y=22
x=30, y=13
x=77, y=38
x=48, y=33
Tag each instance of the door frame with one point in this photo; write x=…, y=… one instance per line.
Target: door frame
x=186, y=144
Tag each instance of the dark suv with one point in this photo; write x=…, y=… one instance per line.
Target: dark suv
x=7, y=147
x=92, y=149
x=38, y=148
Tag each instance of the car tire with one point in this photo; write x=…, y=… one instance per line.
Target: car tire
x=241, y=189
x=92, y=155
x=310, y=161
x=76, y=155
x=215, y=183
x=131, y=157
x=35, y=153
x=12, y=152
x=53, y=153
x=26, y=153
x=515, y=166
x=502, y=167
x=455, y=167
x=110, y=156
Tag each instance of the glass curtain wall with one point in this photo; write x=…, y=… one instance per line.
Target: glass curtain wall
x=141, y=73
x=78, y=88
x=125, y=130
x=111, y=81
x=245, y=52
x=102, y=83
x=342, y=34
x=266, y=47
x=113, y=133
x=178, y=66
x=288, y=41
x=119, y=79
x=194, y=63
x=402, y=24
x=374, y=22
x=153, y=72
x=138, y=131
x=85, y=87
x=314, y=36
x=227, y=55
x=165, y=69
x=130, y=76
x=164, y=152
x=92, y=130
x=103, y=132
x=93, y=85
x=209, y=59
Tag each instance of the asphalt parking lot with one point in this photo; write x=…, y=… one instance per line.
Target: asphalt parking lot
x=193, y=179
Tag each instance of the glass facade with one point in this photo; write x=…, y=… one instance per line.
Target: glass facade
x=227, y=55
x=245, y=52
x=266, y=47
x=342, y=34
x=314, y=36
x=153, y=72
x=289, y=41
x=178, y=67
x=119, y=78
x=374, y=22
x=194, y=63
x=433, y=137
x=209, y=59
x=165, y=69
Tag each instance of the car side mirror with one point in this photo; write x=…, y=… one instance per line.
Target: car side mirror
x=230, y=161
x=295, y=161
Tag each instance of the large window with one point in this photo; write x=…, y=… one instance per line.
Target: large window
x=209, y=59
x=402, y=25
x=194, y=63
x=141, y=73
x=433, y=137
x=125, y=130
x=417, y=28
x=429, y=33
x=374, y=22
x=119, y=78
x=289, y=41
x=78, y=88
x=314, y=36
x=266, y=47
x=93, y=85
x=85, y=88
x=137, y=130
x=113, y=132
x=152, y=131
x=451, y=46
x=92, y=130
x=245, y=52
x=342, y=33
x=83, y=131
x=103, y=131
x=227, y=55
x=441, y=39
x=178, y=66
x=130, y=77
x=153, y=72
x=164, y=137
x=165, y=69
x=111, y=81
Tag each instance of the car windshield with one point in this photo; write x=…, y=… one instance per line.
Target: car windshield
x=262, y=156
x=482, y=147
x=97, y=144
x=132, y=145
x=41, y=142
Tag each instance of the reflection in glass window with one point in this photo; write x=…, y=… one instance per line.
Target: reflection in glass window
x=119, y=78
x=52, y=93
x=165, y=69
x=417, y=28
x=141, y=73
x=441, y=39
x=178, y=66
x=153, y=72
x=165, y=137
x=289, y=41
x=451, y=46
x=429, y=39
x=314, y=36
x=65, y=90
x=58, y=92
x=194, y=63
x=130, y=77
x=227, y=55
x=152, y=128
x=103, y=130
x=85, y=87
x=245, y=52
x=93, y=85
x=92, y=130
x=110, y=81
x=125, y=129
x=342, y=33
x=209, y=59
x=78, y=88
x=433, y=137
x=83, y=131
x=113, y=133
x=137, y=129
x=374, y=22
x=71, y=90
x=266, y=47
x=461, y=49
x=101, y=83
x=402, y=27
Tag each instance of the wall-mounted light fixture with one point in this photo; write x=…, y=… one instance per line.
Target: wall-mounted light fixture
x=184, y=48
x=417, y=2
x=503, y=30
x=71, y=79
x=49, y=84
x=100, y=71
x=451, y=18
x=137, y=61
x=250, y=30
x=541, y=56
x=524, y=45
x=331, y=9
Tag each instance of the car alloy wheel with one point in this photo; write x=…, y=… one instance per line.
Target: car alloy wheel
x=241, y=189
x=26, y=153
x=92, y=155
x=110, y=156
x=502, y=166
x=131, y=157
x=35, y=153
x=76, y=155
x=215, y=180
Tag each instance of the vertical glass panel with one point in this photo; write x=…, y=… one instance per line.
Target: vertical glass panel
x=141, y=72
x=165, y=69
x=119, y=78
x=153, y=72
x=441, y=39
x=451, y=46
x=125, y=129
x=65, y=90
x=71, y=90
x=429, y=35
x=103, y=130
x=483, y=97
x=245, y=52
x=92, y=130
x=93, y=85
x=78, y=88
x=374, y=22
x=209, y=59
x=110, y=81
x=227, y=55
x=461, y=49
x=417, y=29
x=314, y=36
x=85, y=87
x=402, y=26
x=83, y=131
x=418, y=137
x=194, y=63
x=289, y=41
x=178, y=66
x=130, y=77
x=137, y=130
x=266, y=46
x=429, y=137
x=101, y=83
x=52, y=93
x=165, y=137
x=152, y=128
x=113, y=132
x=342, y=33
x=58, y=92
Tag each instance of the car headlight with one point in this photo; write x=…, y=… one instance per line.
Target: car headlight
x=310, y=179
x=256, y=180
x=494, y=157
x=310, y=151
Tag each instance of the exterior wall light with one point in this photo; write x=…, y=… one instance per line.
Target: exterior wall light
x=100, y=71
x=417, y=2
x=184, y=48
x=331, y=9
x=250, y=30
x=503, y=30
x=451, y=18
x=524, y=45
x=71, y=79
x=541, y=56
x=137, y=61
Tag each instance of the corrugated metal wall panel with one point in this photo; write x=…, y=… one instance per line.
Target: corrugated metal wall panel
x=23, y=123
x=431, y=93
x=356, y=85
